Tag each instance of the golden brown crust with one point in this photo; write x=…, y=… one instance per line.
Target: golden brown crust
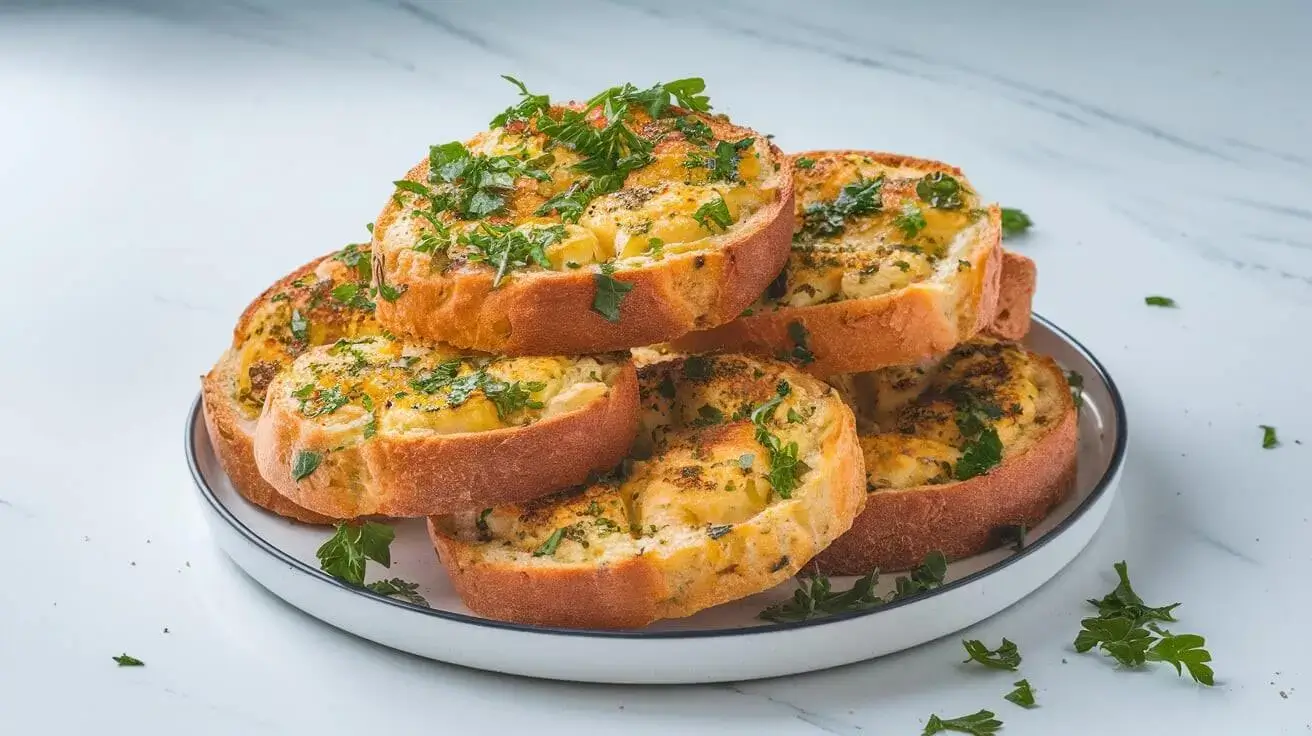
x=900, y=526
x=232, y=436
x=906, y=326
x=550, y=313
x=756, y=554
x=438, y=474
x=1015, y=297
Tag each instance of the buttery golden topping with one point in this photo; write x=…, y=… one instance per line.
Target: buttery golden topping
x=330, y=301
x=722, y=438
x=866, y=227
x=955, y=419
x=621, y=181
x=368, y=385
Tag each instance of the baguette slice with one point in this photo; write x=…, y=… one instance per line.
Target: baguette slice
x=692, y=520
x=264, y=343
x=677, y=267
x=376, y=426
x=860, y=292
x=1015, y=297
x=914, y=455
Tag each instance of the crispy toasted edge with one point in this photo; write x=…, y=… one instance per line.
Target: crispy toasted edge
x=440, y=474
x=899, y=527
x=231, y=434
x=639, y=590
x=908, y=325
x=1015, y=297
x=550, y=313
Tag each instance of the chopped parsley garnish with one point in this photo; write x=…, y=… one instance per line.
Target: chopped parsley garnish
x=300, y=326
x=982, y=723
x=714, y=215
x=804, y=162
x=1014, y=222
x=126, y=660
x=801, y=350
x=1269, y=440
x=549, y=547
x=1159, y=301
x=1129, y=631
x=347, y=551
x=389, y=292
x=707, y=416
x=398, y=588
x=318, y=402
x=510, y=397
x=656, y=247
x=305, y=463
x=723, y=165
x=656, y=100
x=822, y=219
x=815, y=596
x=697, y=367
x=470, y=186
x=352, y=256
x=529, y=105
x=480, y=523
x=911, y=221
x=902, y=266
x=610, y=292
x=437, y=378
x=939, y=191
x=694, y=130
x=370, y=428
x=785, y=468
x=666, y=387
x=1005, y=657
x=505, y=247
x=355, y=296
x=982, y=449
x=1023, y=695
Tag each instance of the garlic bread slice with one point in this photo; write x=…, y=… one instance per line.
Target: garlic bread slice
x=373, y=425
x=742, y=471
x=957, y=452
x=319, y=303
x=584, y=228
x=894, y=260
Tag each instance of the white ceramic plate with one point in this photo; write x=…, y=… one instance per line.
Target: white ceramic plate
x=721, y=644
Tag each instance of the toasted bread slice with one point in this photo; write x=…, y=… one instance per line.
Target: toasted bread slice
x=702, y=513
x=1015, y=297
x=375, y=426
x=684, y=242
x=924, y=494
x=894, y=261
x=320, y=302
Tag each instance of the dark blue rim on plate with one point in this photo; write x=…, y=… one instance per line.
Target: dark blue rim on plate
x=1117, y=460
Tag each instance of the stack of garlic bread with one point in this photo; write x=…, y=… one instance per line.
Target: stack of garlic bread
x=632, y=361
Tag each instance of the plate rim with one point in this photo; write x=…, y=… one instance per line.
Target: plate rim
x=297, y=565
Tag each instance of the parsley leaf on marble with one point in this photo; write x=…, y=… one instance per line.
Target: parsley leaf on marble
x=1014, y=222
x=1160, y=301
x=1129, y=631
x=1005, y=657
x=1269, y=440
x=982, y=723
x=346, y=552
x=126, y=660
x=305, y=463
x=1023, y=695
x=610, y=292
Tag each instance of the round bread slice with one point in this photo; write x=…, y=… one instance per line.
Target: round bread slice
x=742, y=471
x=373, y=425
x=931, y=479
x=554, y=257
x=320, y=302
x=894, y=261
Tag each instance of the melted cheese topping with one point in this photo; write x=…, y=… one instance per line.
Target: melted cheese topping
x=905, y=241
x=654, y=214
x=696, y=469
x=378, y=385
x=916, y=439
x=297, y=315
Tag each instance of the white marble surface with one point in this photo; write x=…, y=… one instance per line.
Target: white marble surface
x=160, y=163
